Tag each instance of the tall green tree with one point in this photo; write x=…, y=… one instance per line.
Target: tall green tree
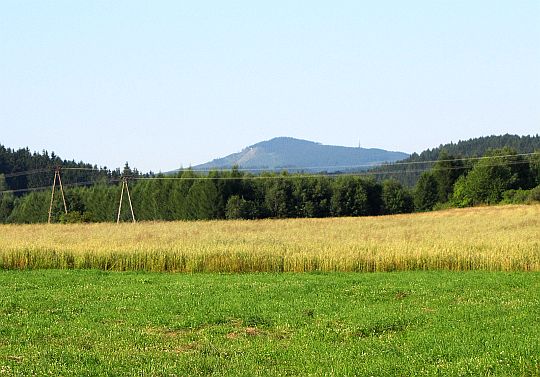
x=3, y=185
x=349, y=198
x=374, y=196
x=6, y=206
x=426, y=192
x=202, y=200
x=535, y=167
x=312, y=196
x=179, y=194
x=279, y=198
x=396, y=198
x=101, y=201
x=446, y=172
x=228, y=183
x=33, y=208
x=6, y=200
x=520, y=168
x=239, y=208
x=145, y=203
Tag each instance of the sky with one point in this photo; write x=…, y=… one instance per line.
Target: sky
x=165, y=84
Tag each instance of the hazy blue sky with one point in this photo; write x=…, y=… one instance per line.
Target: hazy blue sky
x=167, y=83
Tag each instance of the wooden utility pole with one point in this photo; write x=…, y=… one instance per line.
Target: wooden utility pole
x=57, y=174
x=125, y=184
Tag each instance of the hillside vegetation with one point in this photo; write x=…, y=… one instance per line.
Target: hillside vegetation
x=505, y=238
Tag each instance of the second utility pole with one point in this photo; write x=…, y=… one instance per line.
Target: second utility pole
x=57, y=174
x=125, y=184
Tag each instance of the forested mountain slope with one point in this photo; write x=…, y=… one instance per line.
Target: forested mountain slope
x=408, y=170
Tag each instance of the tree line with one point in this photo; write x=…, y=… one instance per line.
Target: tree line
x=502, y=177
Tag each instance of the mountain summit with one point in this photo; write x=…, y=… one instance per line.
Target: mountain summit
x=292, y=154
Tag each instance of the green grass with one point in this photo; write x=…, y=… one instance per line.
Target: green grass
x=77, y=323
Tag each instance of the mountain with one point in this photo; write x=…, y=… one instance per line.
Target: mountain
x=287, y=153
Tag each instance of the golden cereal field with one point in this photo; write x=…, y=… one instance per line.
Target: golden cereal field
x=503, y=238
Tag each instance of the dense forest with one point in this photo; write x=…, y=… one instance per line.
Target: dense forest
x=409, y=170
x=39, y=165
x=502, y=176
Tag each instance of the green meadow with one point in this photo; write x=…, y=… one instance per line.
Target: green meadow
x=96, y=323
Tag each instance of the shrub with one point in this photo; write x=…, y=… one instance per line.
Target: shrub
x=75, y=217
x=534, y=194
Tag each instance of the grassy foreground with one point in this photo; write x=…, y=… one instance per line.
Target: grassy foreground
x=76, y=323
x=505, y=238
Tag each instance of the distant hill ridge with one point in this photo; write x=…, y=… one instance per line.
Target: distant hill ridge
x=302, y=155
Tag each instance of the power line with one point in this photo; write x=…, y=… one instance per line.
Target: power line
x=328, y=175
x=299, y=168
x=42, y=188
x=25, y=190
x=28, y=172
x=291, y=176
x=465, y=159
x=267, y=177
x=86, y=169
x=398, y=163
x=48, y=170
